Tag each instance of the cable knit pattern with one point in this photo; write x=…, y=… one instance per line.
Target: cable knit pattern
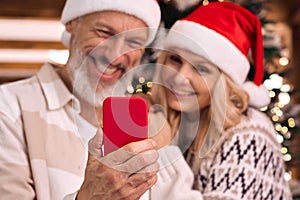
x=246, y=163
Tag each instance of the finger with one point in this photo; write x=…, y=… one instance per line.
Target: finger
x=135, y=192
x=140, y=146
x=128, y=151
x=97, y=140
x=138, y=162
x=144, y=175
x=153, y=168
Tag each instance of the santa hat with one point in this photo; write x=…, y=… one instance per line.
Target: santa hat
x=224, y=32
x=146, y=10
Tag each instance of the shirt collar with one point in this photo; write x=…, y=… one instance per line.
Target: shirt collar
x=56, y=93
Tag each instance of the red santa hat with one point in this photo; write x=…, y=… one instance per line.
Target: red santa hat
x=224, y=32
x=146, y=10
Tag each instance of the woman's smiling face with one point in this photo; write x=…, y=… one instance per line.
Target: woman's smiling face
x=189, y=78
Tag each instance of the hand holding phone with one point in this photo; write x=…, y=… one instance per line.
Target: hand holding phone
x=125, y=120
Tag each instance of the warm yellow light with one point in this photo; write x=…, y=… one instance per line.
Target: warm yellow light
x=284, y=130
x=279, y=113
x=278, y=127
x=149, y=84
x=205, y=2
x=284, y=150
x=292, y=124
x=272, y=94
x=276, y=109
x=142, y=80
x=283, y=61
x=275, y=118
x=280, y=105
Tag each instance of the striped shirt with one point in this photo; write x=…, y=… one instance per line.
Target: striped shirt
x=42, y=151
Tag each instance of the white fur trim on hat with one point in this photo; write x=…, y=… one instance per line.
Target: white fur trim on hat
x=259, y=95
x=211, y=45
x=146, y=10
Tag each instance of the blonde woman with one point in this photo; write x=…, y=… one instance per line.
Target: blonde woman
x=211, y=108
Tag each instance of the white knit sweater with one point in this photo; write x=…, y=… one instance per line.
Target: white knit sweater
x=245, y=164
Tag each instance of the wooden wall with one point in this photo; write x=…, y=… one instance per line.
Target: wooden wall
x=27, y=10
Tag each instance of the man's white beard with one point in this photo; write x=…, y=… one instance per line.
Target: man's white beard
x=85, y=92
x=83, y=89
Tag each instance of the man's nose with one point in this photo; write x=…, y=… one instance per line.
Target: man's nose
x=115, y=52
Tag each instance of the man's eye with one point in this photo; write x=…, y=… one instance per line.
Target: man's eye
x=103, y=33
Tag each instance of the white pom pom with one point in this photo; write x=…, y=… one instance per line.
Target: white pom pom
x=259, y=95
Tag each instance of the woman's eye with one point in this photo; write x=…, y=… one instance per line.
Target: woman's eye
x=135, y=43
x=175, y=59
x=202, y=69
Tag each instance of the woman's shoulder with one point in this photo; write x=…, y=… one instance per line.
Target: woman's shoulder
x=249, y=151
x=254, y=119
x=256, y=125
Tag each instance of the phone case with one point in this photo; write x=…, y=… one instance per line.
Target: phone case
x=125, y=120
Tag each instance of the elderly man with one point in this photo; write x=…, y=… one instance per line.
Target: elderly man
x=47, y=120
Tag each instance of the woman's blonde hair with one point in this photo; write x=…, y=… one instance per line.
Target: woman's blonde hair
x=228, y=103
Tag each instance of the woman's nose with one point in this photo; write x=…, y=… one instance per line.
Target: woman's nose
x=184, y=74
x=186, y=70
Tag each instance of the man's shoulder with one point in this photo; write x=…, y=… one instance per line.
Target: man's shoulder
x=18, y=83
x=14, y=94
x=30, y=86
x=19, y=87
x=10, y=93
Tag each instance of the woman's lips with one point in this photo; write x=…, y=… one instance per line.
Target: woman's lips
x=181, y=91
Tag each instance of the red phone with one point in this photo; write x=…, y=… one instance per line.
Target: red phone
x=125, y=120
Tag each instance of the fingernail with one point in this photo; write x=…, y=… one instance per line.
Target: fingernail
x=154, y=143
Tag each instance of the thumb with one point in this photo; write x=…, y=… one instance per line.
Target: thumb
x=95, y=144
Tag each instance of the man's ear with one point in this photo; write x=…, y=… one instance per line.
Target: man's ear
x=70, y=26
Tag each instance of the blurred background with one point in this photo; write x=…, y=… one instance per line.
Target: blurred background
x=30, y=32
